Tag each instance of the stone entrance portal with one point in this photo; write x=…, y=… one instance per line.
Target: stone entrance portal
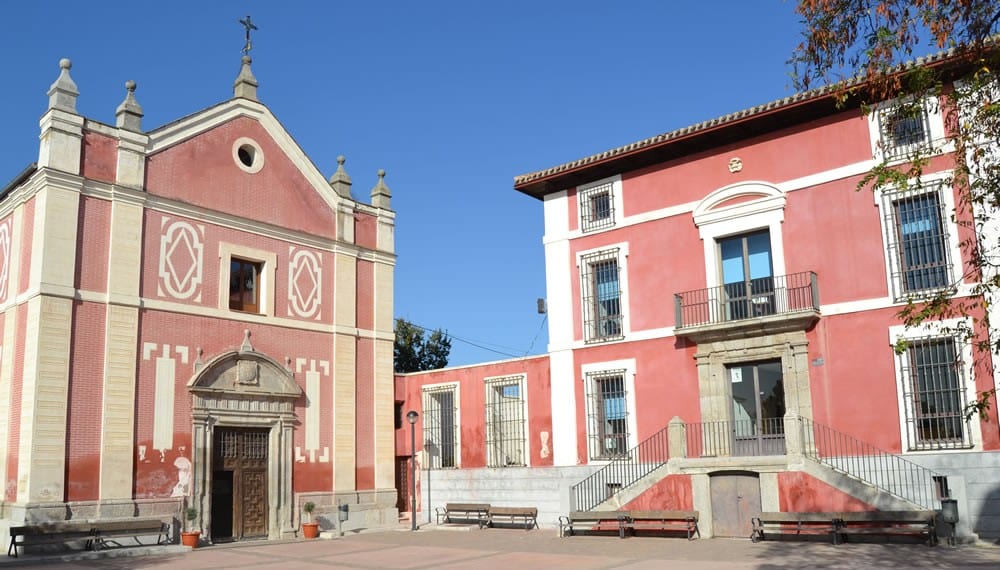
x=243, y=408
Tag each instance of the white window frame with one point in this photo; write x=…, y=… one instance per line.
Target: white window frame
x=586, y=308
x=924, y=331
x=588, y=225
x=425, y=393
x=933, y=121
x=627, y=366
x=519, y=380
x=269, y=265
x=936, y=182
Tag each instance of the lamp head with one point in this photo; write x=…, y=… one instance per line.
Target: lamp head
x=412, y=416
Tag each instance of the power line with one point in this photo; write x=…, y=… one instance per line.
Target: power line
x=471, y=343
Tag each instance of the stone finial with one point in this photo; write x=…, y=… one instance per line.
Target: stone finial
x=381, y=193
x=340, y=181
x=246, y=346
x=246, y=84
x=128, y=115
x=63, y=93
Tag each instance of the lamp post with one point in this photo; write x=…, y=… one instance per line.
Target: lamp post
x=411, y=417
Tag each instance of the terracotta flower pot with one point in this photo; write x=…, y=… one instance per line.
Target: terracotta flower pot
x=190, y=538
x=310, y=530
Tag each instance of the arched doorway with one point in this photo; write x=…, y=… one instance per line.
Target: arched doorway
x=243, y=410
x=735, y=501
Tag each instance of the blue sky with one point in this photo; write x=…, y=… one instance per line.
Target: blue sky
x=453, y=98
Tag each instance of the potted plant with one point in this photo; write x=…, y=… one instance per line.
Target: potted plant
x=310, y=529
x=190, y=537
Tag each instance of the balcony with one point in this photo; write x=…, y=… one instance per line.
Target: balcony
x=767, y=305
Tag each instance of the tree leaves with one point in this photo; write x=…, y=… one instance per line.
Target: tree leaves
x=414, y=350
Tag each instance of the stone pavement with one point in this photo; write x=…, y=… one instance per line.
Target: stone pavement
x=508, y=549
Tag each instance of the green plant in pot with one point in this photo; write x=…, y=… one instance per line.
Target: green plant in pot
x=190, y=537
x=310, y=529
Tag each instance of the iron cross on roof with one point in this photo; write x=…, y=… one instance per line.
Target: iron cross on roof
x=249, y=26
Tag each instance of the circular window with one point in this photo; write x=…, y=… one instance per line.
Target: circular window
x=248, y=155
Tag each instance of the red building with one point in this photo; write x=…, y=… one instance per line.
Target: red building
x=722, y=313
x=193, y=316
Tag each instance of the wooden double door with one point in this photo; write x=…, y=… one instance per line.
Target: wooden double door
x=239, y=484
x=735, y=501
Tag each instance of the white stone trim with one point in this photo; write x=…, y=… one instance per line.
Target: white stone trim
x=928, y=329
x=564, y=420
x=622, y=248
x=269, y=268
x=521, y=380
x=628, y=365
x=937, y=142
x=256, y=159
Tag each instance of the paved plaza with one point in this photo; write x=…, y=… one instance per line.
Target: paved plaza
x=504, y=549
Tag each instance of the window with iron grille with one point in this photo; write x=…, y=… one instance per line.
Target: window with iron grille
x=440, y=427
x=602, y=304
x=916, y=226
x=607, y=414
x=934, y=392
x=505, y=411
x=904, y=129
x=597, y=207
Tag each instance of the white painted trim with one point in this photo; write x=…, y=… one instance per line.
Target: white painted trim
x=563, y=405
x=257, y=159
x=617, y=203
x=628, y=365
x=923, y=330
x=456, y=388
x=268, y=274
x=937, y=142
x=622, y=289
x=521, y=380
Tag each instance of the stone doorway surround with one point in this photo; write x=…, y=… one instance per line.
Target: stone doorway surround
x=245, y=389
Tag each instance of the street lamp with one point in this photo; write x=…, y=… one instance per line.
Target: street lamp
x=411, y=417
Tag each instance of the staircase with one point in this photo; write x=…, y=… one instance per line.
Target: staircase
x=621, y=473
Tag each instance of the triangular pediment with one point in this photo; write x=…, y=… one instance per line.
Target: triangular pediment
x=244, y=374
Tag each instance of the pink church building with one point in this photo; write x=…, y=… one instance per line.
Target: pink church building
x=193, y=316
x=722, y=311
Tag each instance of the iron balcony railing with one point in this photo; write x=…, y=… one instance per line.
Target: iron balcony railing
x=761, y=297
x=621, y=473
x=746, y=438
x=855, y=458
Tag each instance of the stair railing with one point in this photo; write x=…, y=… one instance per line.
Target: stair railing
x=621, y=472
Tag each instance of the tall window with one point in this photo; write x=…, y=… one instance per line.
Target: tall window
x=903, y=130
x=919, y=253
x=602, y=304
x=505, y=410
x=607, y=414
x=933, y=386
x=597, y=210
x=440, y=427
x=244, y=285
x=747, y=276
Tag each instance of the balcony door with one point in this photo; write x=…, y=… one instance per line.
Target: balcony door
x=747, y=275
x=758, y=393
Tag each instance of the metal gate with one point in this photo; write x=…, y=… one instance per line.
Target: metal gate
x=735, y=501
x=239, y=484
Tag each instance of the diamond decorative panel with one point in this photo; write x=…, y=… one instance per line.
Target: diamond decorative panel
x=304, y=282
x=4, y=258
x=181, y=256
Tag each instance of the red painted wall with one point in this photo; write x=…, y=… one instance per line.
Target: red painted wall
x=86, y=389
x=92, y=245
x=98, y=157
x=278, y=195
x=672, y=493
x=800, y=492
x=365, y=415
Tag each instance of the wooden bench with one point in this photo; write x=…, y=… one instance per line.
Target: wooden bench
x=910, y=523
x=592, y=521
x=795, y=524
x=514, y=515
x=50, y=533
x=106, y=532
x=478, y=512
x=669, y=521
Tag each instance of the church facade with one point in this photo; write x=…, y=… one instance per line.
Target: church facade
x=193, y=316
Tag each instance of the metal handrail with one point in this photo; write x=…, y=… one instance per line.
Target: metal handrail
x=621, y=473
x=889, y=472
x=761, y=297
x=744, y=438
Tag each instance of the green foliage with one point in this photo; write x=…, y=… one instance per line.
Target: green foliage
x=861, y=47
x=414, y=350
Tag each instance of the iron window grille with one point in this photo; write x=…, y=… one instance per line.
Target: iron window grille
x=440, y=427
x=607, y=414
x=903, y=130
x=918, y=242
x=597, y=207
x=505, y=443
x=933, y=385
x=601, y=296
